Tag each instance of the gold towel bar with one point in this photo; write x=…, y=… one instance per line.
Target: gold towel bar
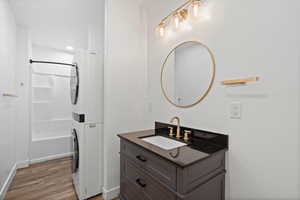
x=241, y=81
x=9, y=95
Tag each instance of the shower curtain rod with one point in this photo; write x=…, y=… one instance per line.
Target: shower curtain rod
x=54, y=63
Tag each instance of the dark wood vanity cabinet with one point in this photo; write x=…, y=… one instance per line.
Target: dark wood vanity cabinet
x=148, y=176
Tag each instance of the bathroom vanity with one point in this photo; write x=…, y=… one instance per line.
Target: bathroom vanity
x=193, y=171
x=173, y=162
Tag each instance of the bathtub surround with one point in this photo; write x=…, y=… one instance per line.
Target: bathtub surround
x=51, y=105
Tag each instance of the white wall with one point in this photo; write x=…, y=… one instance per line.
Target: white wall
x=23, y=102
x=124, y=82
x=7, y=85
x=248, y=38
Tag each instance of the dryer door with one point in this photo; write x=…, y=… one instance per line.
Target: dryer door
x=74, y=84
x=75, y=162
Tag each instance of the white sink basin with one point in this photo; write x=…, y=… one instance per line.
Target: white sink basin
x=164, y=143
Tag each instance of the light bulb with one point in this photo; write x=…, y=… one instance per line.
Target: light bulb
x=196, y=5
x=176, y=21
x=161, y=29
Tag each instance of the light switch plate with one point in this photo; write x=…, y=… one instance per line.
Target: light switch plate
x=236, y=110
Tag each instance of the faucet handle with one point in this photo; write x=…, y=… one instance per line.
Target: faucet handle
x=171, y=134
x=186, y=135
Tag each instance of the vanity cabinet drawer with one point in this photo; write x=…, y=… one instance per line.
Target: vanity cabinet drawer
x=141, y=185
x=160, y=168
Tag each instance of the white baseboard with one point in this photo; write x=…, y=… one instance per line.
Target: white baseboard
x=52, y=157
x=26, y=163
x=8, y=181
x=43, y=148
x=23, y=164
x=111, y=194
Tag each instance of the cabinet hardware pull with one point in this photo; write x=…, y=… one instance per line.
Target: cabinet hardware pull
x=141, y=183
x=141, y=158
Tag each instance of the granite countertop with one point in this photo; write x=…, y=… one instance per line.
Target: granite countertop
x=182, y=156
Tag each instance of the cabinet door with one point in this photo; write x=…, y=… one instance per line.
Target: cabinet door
x=214, y=189
x=143, y=183
x=130, y=191
x=189, y=178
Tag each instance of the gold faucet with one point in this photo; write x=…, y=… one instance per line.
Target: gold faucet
x=171, y=134
x=186, y=135
x=178, y=126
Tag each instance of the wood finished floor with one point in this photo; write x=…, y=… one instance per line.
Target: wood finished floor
x=51, y=180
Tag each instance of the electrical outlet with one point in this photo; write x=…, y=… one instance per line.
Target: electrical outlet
x=236, y=110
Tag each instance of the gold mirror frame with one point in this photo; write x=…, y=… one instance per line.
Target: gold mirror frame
x=210, y=84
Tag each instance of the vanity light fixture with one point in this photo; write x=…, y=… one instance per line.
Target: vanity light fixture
x=180, y=15
x=162, y=30
x=176, y=21
x=196, y=7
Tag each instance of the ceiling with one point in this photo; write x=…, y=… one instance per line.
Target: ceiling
x=59, y=23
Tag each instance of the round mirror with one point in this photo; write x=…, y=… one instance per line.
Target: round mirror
x=188, y=74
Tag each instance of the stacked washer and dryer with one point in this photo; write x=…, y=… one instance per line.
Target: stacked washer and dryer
x=87, y=98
